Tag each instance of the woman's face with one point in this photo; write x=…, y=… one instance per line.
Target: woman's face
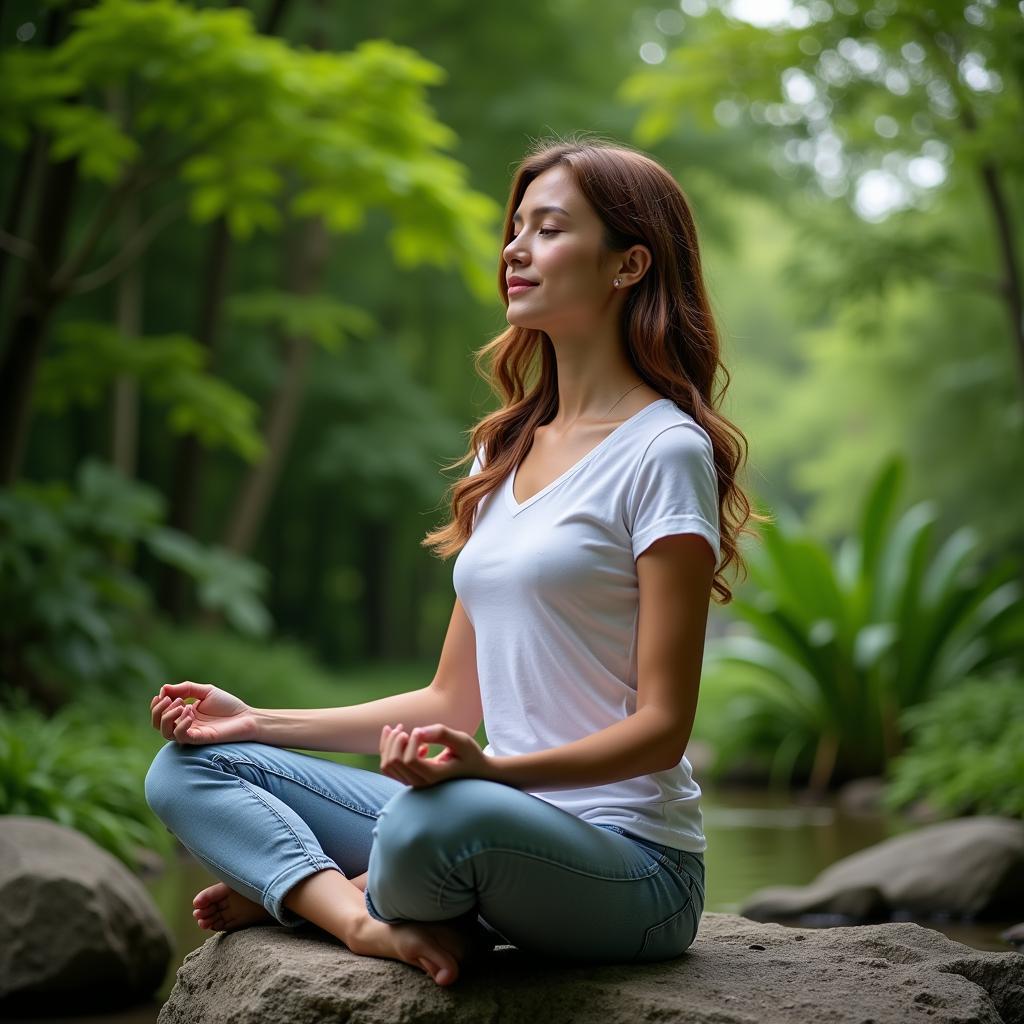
x=562, y=253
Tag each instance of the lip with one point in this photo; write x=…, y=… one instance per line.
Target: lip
x=519, y=284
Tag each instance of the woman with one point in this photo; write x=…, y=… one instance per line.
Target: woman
x=599, y=512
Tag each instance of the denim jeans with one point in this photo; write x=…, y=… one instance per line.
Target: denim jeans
x=262, y=818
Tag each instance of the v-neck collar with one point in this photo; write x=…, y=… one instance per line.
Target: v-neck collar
x=516, y=507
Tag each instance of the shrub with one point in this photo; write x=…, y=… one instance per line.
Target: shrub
x=84, y=771
x=967, y=751
x=838, y=644
x=70, y=602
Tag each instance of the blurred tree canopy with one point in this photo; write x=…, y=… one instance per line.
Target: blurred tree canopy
x=899, y=128
x=248, y=249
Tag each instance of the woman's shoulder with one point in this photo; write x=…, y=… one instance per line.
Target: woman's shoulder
x=670, y=428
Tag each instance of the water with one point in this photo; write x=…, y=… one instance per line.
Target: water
x=756, y=838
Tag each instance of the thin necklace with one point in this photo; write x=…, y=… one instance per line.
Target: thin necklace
x=621, y=397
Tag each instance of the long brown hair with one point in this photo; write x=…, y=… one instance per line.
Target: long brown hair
x=667, y=325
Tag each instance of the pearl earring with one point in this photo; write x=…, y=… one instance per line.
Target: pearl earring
x=616, y=282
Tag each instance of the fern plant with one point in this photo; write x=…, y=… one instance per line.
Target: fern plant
x=838, y=645
x=82, y=771
x=966, y=752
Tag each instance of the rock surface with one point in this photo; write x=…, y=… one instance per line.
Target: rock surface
x=736, y=972
x=77, y=929
x=862, y=796
x=970, y=868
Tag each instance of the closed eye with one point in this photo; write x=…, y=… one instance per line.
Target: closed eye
x=543, y=231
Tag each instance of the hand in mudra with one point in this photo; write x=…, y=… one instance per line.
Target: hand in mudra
x=215, y=717
x=403, y=755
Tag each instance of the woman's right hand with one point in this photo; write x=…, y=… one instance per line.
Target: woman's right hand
x=216, y=717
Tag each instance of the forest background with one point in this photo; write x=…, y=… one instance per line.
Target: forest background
x=248, y=252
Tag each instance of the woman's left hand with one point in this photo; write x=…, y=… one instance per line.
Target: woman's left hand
x=403, y=755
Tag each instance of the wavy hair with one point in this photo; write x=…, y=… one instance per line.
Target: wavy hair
x=667, y=325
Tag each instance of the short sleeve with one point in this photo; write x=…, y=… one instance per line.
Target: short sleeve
x=473, y=470
x=675, y=490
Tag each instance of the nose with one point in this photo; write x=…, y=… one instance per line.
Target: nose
x=513, y=251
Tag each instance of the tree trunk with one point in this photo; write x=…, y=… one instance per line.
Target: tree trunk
x=305, y=263
x=1006, y=241
x=188, y=456
x=124, y=425
x=31, y=315
x=376, y=536
x=31, y=158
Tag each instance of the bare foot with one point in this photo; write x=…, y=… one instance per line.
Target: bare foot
x=436, y=947
x=221, y=909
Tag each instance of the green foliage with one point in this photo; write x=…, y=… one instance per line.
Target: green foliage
x=170, y=369
x=84, y=770
x=274, y=673
x=378, y=411
x=840, y=645
x=853, y=63
x=225, y=582
x=842, y=90
x=242, y=112
x=278, y=673
x=70, y=604
x=967, y=751
x=328, y=322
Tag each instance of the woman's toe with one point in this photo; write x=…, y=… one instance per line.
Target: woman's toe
x=212, y=894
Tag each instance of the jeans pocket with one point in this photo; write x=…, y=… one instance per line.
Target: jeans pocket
x=670, y=938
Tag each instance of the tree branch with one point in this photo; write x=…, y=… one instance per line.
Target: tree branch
x=132, y=182
x=17, y=246
x=132, y=249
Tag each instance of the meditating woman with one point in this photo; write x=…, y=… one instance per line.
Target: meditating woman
x=594, y=524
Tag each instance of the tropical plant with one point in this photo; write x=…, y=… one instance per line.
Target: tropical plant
x=83, y=770
x=70, y=602
x=966, y=752
x=840, y=645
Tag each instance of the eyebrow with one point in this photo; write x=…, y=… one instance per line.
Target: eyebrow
x=541, y=209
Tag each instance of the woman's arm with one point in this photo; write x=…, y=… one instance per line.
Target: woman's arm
x=354, y=729
x=635, y=746
x=452, y=698
x=674, y=575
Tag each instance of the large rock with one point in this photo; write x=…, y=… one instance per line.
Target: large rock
x=969, y=868
x=736, y=971
x=77, y=929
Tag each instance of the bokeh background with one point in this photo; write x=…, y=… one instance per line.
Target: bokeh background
x=248, y=251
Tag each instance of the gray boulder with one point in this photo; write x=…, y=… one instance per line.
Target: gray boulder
x=968, y=868
x=78, y=931
x=861, y=796
x=736, y=971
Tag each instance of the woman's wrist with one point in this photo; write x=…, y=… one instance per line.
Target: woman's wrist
x=496, y=770
x=262, y=727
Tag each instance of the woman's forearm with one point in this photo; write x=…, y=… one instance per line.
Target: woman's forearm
x=354, y=729
x=638, y=745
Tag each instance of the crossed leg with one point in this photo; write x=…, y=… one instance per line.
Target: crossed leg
x=307, y=808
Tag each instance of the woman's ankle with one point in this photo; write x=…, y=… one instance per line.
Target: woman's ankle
x=330, y=901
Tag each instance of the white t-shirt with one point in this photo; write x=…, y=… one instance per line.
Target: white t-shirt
x=550, y=586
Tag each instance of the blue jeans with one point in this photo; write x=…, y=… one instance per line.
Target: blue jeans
x=262, y=818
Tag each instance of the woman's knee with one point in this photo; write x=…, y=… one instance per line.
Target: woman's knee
x=163, y=780
x=418, y=820
x=168, y=774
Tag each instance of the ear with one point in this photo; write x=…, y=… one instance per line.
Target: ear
x=635, y=262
